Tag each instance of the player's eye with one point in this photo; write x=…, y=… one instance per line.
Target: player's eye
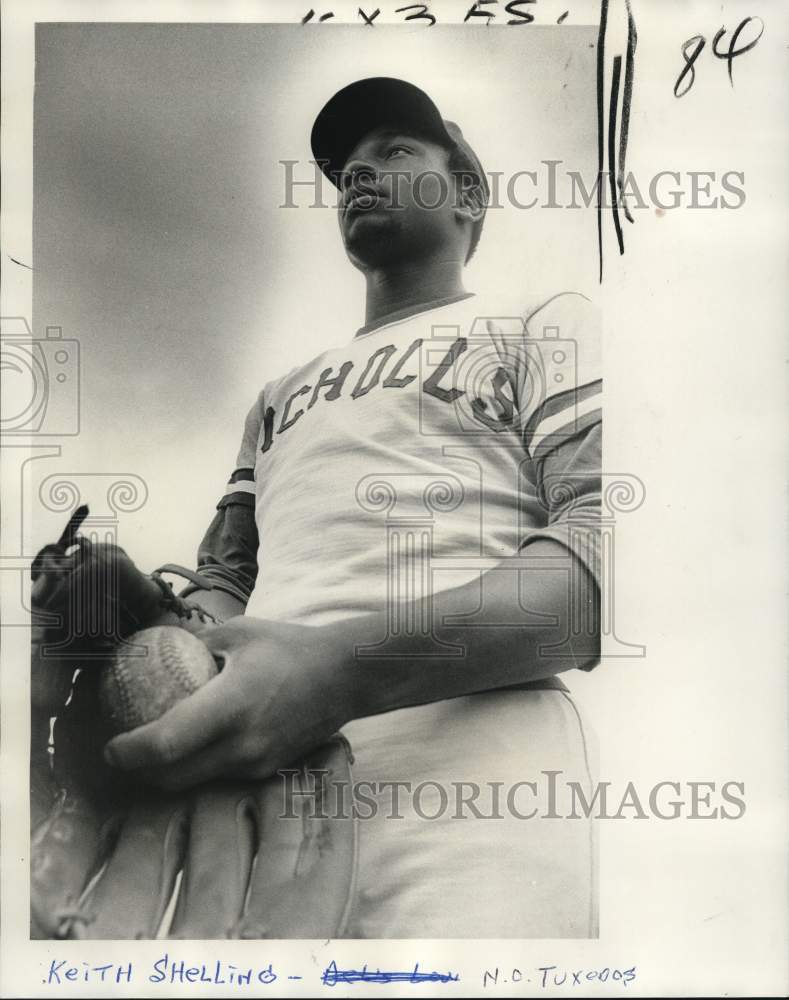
x=397, y=148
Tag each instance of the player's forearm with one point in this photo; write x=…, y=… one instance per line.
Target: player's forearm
x=530, y=624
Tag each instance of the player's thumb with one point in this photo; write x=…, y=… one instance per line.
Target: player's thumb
x=186, y=728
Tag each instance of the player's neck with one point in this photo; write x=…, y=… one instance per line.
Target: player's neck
x=412, y=285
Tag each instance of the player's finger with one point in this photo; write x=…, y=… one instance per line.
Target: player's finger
x=310, y=819
x=222, y=844
x=227, y=757
x=65, y=850
x=130, y=898
x=188, y=727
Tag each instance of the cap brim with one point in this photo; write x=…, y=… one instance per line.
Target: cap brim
x=365, y=105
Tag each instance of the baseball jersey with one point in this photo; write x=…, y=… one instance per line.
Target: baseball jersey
x=414, y=457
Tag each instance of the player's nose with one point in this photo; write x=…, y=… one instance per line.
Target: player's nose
x=360, y=174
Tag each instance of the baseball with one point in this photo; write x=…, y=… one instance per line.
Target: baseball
x=157, y=668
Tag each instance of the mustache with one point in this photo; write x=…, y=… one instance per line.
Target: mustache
x=361, y=191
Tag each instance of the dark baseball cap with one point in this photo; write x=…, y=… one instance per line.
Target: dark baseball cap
x=376, y=102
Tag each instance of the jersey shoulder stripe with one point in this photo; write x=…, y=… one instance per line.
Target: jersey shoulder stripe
x=564, y=392
x=548, y=437
x=559, y=403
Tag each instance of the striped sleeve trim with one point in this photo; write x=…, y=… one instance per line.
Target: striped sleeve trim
x=551, y=440
x=562, y=416
x=219, y=581
x=561, y=401
x=240, y=489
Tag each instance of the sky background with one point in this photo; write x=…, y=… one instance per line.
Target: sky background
x=160, y=244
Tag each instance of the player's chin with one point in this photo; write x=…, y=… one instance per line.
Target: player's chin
x=362, y=223
x=368, y=235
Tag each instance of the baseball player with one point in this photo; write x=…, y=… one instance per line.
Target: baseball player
x=406, y=552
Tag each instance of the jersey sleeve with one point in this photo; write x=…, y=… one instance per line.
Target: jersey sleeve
x=561, y=412
x=561, y=390
x=240, y=488
x=227, y=555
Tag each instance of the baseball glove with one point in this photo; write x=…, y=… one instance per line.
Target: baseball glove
x=111, y=858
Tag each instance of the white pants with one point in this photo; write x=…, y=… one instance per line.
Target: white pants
x=457, y=866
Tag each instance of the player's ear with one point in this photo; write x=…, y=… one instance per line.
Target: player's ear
x=469, y=198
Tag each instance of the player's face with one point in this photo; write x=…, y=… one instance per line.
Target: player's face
x=397, y=201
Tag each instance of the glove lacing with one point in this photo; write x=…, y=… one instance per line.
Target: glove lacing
x=177, y=604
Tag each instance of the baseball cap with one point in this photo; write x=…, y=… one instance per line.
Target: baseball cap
x=382, y=101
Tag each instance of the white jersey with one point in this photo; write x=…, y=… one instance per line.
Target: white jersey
x=406, y=462
x=417, y=455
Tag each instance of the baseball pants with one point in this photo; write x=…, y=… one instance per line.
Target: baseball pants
x=472, y=821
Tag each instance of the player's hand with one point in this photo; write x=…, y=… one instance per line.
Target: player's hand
x=281, y=691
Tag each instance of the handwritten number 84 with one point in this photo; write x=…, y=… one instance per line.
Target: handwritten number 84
x=692, y=49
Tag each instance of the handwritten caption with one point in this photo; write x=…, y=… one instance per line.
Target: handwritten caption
x=170, y=970
x=509, y=12
x=750, y=28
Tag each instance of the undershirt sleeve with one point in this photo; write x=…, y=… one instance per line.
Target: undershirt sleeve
x=227, y=556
